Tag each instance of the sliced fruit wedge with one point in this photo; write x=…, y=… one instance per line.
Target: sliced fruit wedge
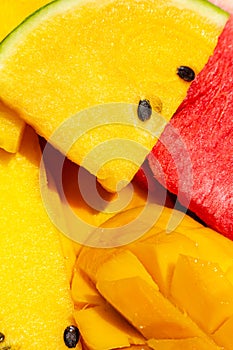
x=200, y=288
x=188, y=304
x=11, y=15
x=148, y=310
x=36, y=305
x=223, y=335
x=104, y=329
x=73, y=55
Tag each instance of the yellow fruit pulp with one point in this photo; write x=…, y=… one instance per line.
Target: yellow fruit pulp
x=11, y=129
x=160, y=253
x=210, y=292
x=103, y=328
x=12, y=13
x=223, y=335
x=195, y=283
x=87, y=53
x=112, y=269
x=36, y=305
x=182, y=344
x=147, y=309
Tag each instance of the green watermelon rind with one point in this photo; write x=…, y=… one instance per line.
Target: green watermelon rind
x=207, y=10
x=26, y=26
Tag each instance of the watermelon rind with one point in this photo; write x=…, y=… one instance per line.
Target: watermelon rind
x=205, y=8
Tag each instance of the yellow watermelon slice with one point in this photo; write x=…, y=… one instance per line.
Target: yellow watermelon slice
x=73, y=55
x=36, y=305
x=11, y=125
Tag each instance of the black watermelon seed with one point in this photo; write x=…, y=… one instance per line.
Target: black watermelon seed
x=144, y=110
x=71, y=336
x=2, y=337
x=186, y=73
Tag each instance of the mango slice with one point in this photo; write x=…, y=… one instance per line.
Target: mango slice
x=200, y=288
x=104, y=329
x=223, y=335
x=115, y=61
x=229, y=274
x=90, y=259
x=220, y=250
x=36, y=306
x=197, y=301
x=182, y=344
x=83, y=291
x=123, y=264
x=148, y=310
x=159, y=255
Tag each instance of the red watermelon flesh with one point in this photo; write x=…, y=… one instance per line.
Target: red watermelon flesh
x=194, y=157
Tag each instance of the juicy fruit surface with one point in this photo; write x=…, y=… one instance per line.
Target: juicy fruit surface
x=36, y=305
x=194, y=311
x=11, y=14
x=205, y=126
x=84, y=67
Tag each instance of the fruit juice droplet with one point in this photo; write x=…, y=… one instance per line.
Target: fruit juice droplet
x=186, y=73
x=71, y=336
x=144, y=110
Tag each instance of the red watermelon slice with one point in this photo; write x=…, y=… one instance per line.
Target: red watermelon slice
x=194, y=156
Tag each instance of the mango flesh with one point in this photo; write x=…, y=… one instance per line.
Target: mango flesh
x=200, y=288
x=101, y=74
x=223, y=335
x=123, y=264
x=148, y=310
x=211, y=293
x=36, y=305
x=159, y=254
x=104, y=329
x=180, y=344
x=219, y=249
x=83, y=291
x=11, y=125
